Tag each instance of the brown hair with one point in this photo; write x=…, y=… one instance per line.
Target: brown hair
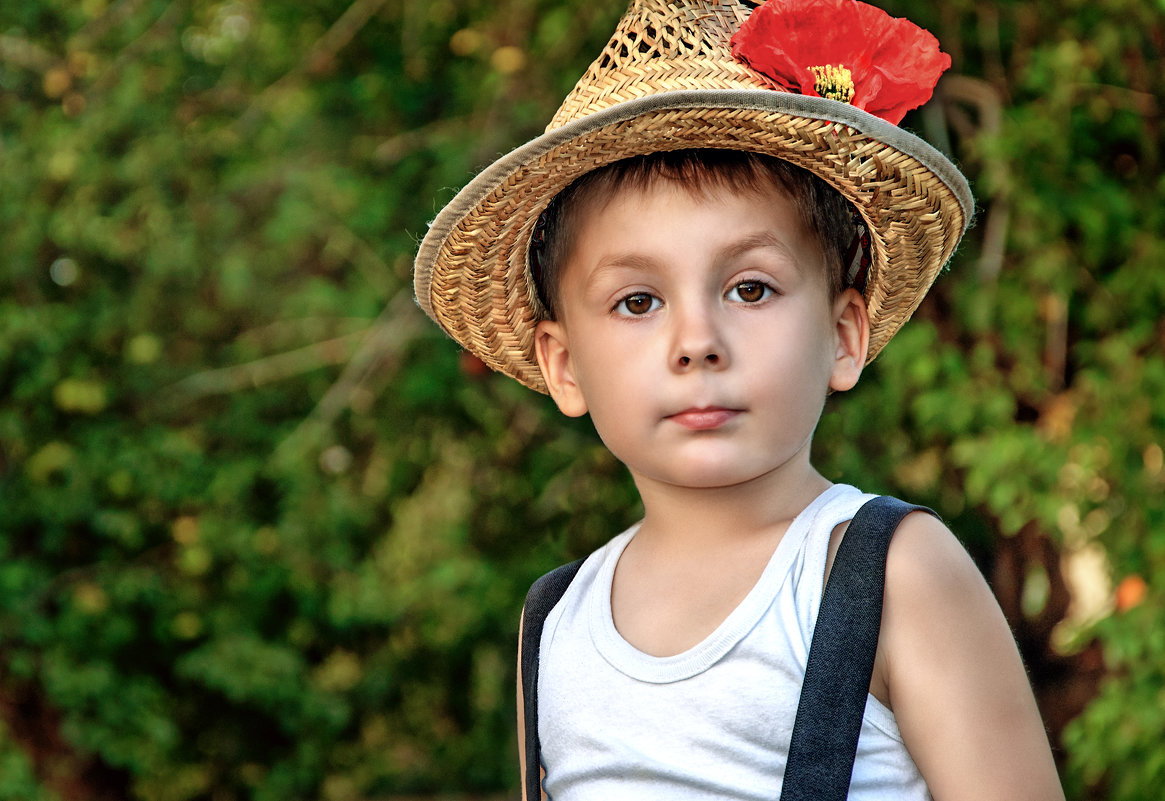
x=827, y=215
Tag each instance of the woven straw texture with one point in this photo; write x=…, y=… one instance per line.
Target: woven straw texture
x=662, y=47
x=667, y=81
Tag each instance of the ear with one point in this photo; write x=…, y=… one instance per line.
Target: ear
x=552, y=348
x=851, y=324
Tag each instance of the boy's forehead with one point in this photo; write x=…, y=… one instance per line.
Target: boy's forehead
x=768, y=199
x=703, y=183
x=641, y=225
x=711, y=191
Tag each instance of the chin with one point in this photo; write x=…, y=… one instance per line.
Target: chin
x=709, y=475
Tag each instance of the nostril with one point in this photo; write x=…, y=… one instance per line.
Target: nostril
x=712, y=358
x=685, y=361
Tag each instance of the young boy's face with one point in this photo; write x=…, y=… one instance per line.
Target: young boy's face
x=698, y=332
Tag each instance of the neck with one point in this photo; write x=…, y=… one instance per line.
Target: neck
x=712, y=518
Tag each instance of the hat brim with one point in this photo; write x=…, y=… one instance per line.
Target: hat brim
x=472, y=275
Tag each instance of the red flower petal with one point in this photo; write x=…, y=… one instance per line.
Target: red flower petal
x=894, y=63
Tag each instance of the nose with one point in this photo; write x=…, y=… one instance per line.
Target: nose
x=697, y=341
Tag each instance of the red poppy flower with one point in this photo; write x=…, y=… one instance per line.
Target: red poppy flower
x=843, y=49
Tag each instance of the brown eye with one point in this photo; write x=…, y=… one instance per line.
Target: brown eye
x=749, y=291
x=637, y=304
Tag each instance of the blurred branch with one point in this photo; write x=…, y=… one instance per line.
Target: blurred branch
x=318, y=56
x=110, y=18
x=995, y=238
x=1143, y=103
x=382, y=349
x=342, y=32
x=987, y=17
x=162, y=27
x=1055, y=309
x=283, y=333
x=984, y=97
x=23, y=53
x=371, y=266
x=405, y=143
x=266, y=370
x=989, y=105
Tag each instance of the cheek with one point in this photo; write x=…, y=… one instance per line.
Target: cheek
x=798, y=361
x=610, y=385
x=619, y=426
x=612, y=363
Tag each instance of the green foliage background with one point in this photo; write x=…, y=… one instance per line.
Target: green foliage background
x=264, y=533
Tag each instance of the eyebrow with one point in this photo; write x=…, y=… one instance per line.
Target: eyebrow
x=761, y=239
x=756, y=241
x=625, y=261
x=734, y=250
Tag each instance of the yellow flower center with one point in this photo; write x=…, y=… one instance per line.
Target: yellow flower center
x=836, y=83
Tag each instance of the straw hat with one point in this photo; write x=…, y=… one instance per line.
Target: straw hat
x=668, y=80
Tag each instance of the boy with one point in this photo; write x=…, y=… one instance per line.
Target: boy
x=655, y=261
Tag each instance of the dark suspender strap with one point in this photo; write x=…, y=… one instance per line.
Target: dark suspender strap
x=543, y=596
x=841, y=658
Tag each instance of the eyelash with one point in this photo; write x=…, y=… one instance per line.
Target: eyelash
x=766, y=291
x=623, y=309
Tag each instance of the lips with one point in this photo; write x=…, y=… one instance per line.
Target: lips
x=704, y=419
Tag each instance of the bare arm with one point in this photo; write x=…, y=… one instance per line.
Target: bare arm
x=522, y=716
x=954, y=676
x=521, y=711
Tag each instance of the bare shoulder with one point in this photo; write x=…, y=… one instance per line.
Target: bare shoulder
x=953, y=674
x=928, y=563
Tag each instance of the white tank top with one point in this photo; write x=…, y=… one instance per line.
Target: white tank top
x=713, y=722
